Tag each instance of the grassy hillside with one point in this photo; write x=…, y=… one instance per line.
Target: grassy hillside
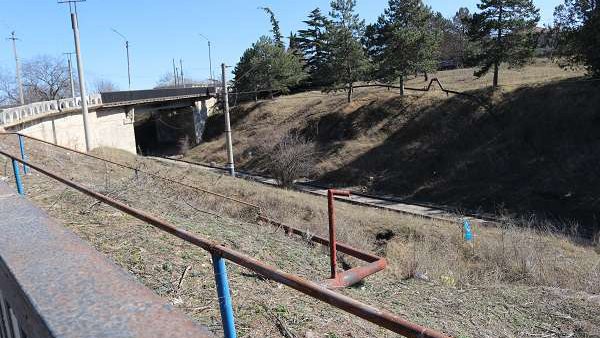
x=511, y=282
x=534, y=150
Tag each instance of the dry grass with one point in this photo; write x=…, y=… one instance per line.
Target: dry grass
x=512, y=253
x=539, y=72
x=253, y=120
x=532, y=152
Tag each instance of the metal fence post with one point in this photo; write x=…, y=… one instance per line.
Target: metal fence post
x=331, y=193
x=225, y=303
x=23, y=156
x=20, y=189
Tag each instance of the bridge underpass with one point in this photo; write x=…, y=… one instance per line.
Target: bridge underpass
x=150, y=121
x=169, y=131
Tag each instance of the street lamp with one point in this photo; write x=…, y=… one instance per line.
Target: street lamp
x=127, y=49
x=209, y=57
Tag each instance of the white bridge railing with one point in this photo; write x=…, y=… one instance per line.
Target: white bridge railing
x=28, y=111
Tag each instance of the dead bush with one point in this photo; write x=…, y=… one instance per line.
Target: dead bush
x=287, y=158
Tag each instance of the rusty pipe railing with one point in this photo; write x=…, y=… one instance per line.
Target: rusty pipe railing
x=346, y=278
x=379, y=317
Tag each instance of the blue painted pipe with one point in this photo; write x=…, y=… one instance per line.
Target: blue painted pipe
x=23, y=156
x=20, y=189
x=224, y=296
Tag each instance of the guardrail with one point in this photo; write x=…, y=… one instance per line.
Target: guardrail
x=219, y=253
x=157, y=94
x=21, y=113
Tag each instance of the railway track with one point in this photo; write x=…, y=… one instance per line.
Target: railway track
x=433, y=212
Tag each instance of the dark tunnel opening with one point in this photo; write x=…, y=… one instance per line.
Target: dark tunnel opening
x=165, y=133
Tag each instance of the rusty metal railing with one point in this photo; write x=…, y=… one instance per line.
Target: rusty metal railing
x=379, y=317
x=341, y=280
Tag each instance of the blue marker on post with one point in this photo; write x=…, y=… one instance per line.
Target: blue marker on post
x=467, y=230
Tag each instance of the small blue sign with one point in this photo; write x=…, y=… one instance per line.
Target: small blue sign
x=468, y=231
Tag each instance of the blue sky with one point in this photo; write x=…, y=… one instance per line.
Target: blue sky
x=160, y=30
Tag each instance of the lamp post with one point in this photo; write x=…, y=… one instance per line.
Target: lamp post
x=209, y=57
x=128, y=60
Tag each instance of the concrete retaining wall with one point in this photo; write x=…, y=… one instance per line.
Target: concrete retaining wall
x=110, y=128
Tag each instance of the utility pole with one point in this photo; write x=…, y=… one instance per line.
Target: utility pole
x=71, y=74
x=230, y=163
x=174, y=73
x=181, y=70
x=80, y=72
x=128, y=60
x=209, y=58
x=18, y=68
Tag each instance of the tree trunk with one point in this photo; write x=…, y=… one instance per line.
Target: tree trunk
x=499, y=48
x=350, y=90
x=496, y=71
x=426, y=76
x=402, y=85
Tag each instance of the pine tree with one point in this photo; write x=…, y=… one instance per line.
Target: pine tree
x=267, y=66
x=405, y=40
x=577, y=24
x=504, y=31
x=312, y=43
x=460, y=25
x=346, y=55
x=244, y=79
x=277, y=36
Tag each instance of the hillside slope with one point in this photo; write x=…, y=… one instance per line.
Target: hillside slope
x=536, y=150
x=508, y=282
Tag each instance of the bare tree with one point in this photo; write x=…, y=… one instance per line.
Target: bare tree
x=8, y=88
x=166, y=80
x=104, y=86
x=45, y=78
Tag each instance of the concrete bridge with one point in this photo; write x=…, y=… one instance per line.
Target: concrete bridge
x=117, y=119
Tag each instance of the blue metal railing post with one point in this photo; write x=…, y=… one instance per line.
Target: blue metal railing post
x=224, y=296
x=23, y=156
x=20, y=189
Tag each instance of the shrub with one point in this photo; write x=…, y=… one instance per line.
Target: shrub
x=287, y=158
